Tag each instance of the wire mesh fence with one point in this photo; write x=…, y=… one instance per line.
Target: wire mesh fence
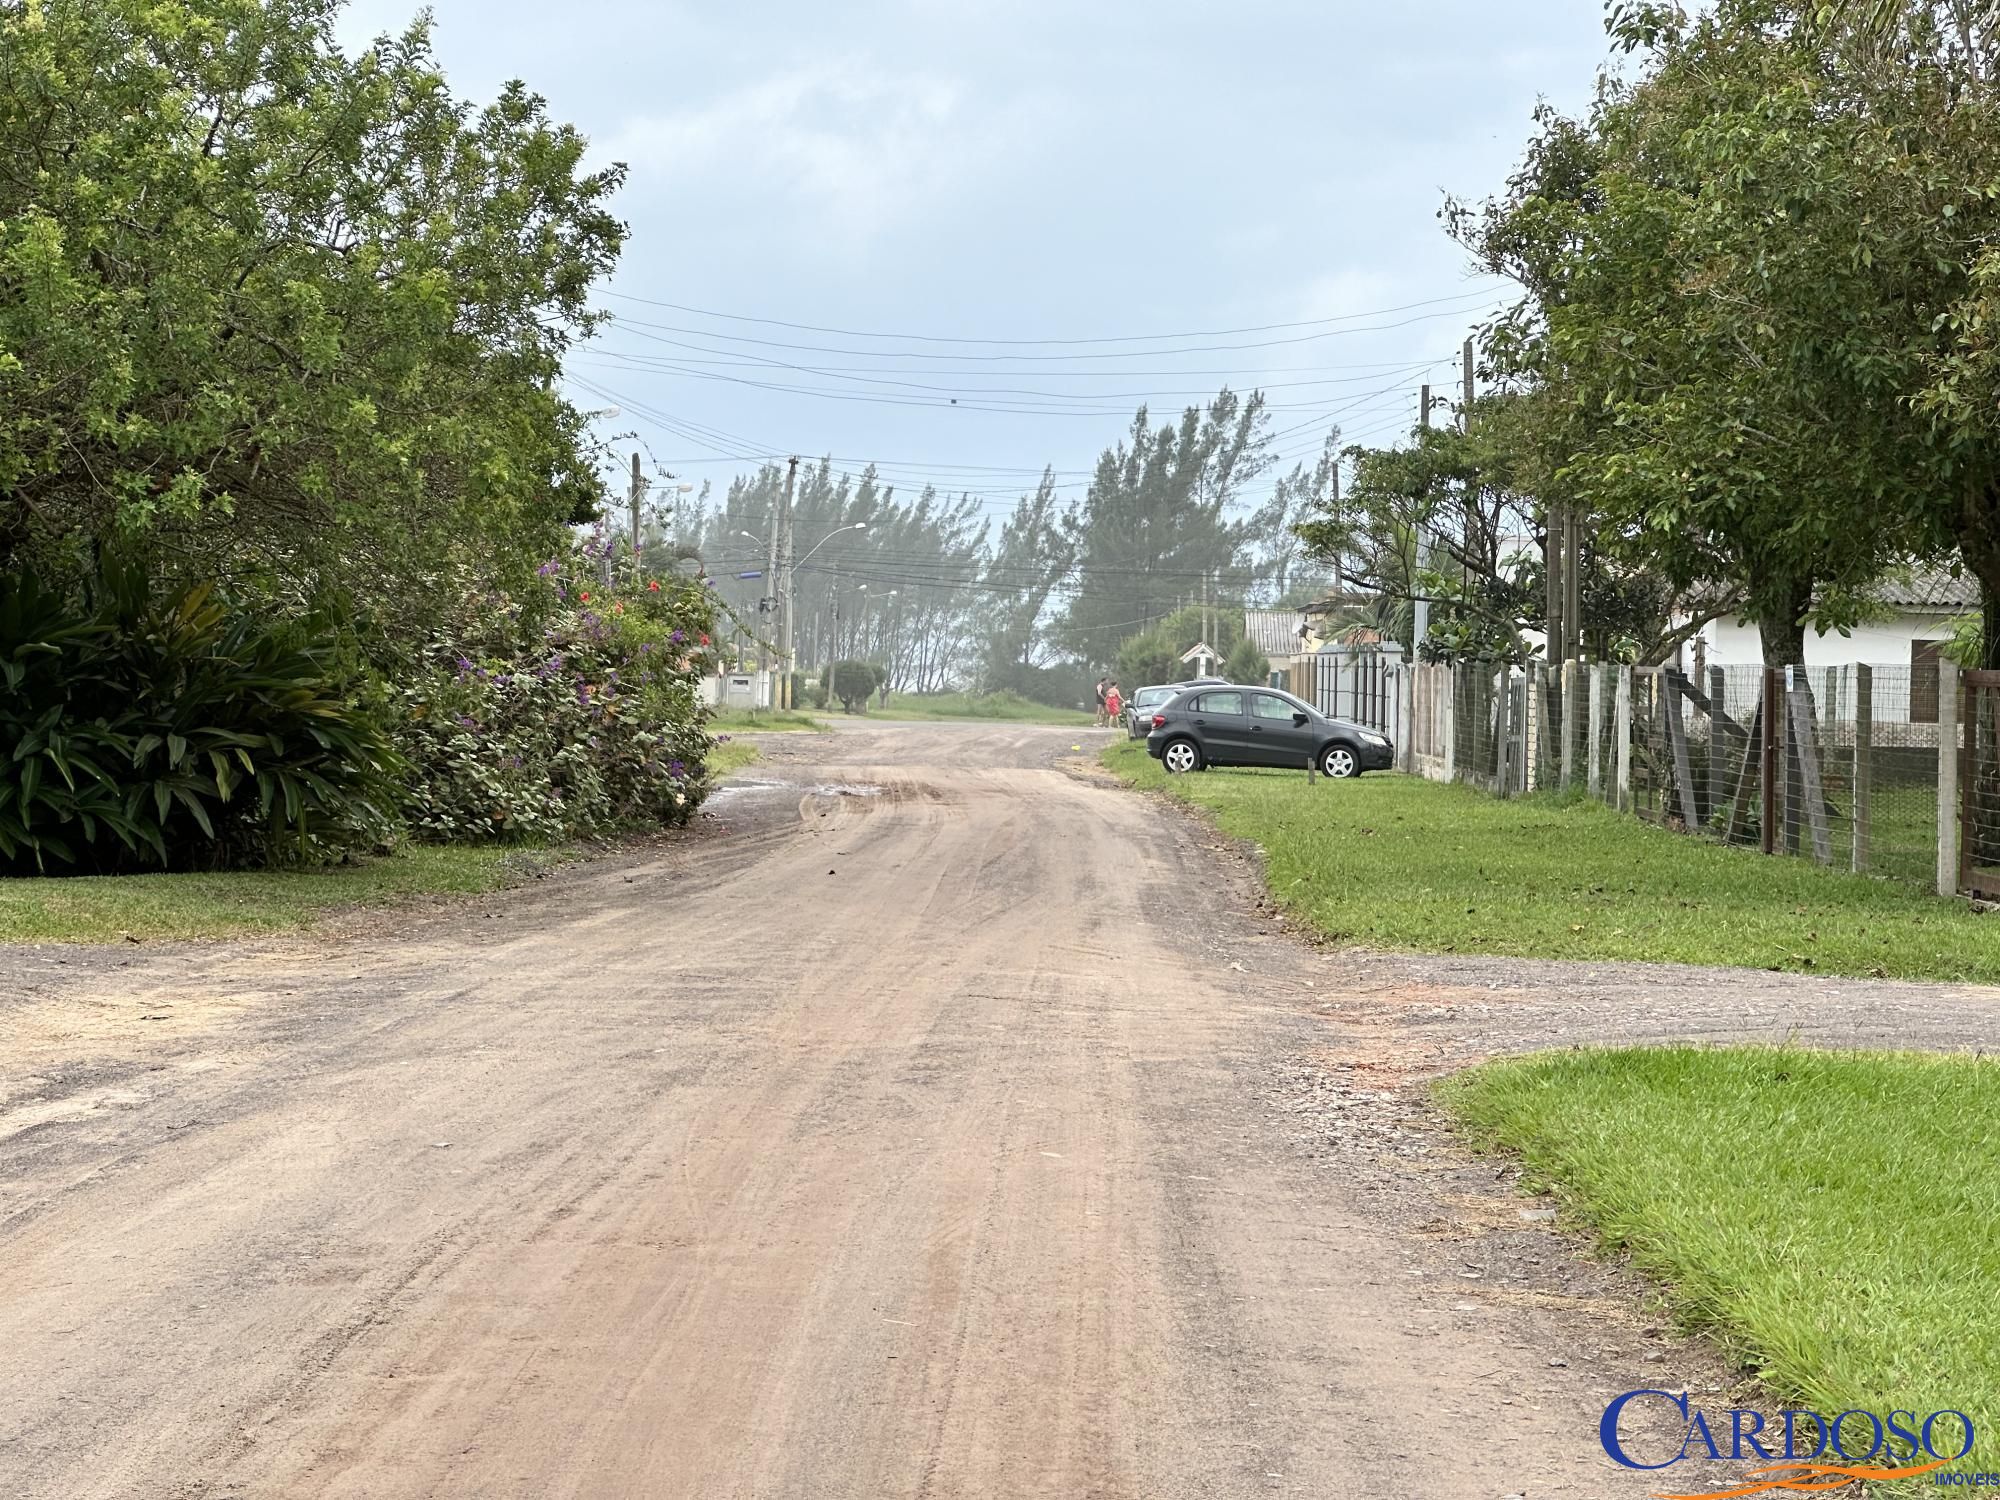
x=1841, y=765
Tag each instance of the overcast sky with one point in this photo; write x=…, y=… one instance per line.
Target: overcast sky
x=1024, y=169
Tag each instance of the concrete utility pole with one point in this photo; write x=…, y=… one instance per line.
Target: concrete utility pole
x=786, y=598
x=769, y=626
x=1465, y=415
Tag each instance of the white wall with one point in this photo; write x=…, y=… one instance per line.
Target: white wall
x=1733, y=643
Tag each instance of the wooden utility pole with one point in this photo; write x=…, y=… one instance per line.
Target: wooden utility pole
x=1465, y=412
x=638, y=494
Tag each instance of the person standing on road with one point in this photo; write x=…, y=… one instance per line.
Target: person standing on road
x=1114, y=705
x=1103, y=686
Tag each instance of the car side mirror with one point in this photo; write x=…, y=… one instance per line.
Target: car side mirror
x=1300, y=720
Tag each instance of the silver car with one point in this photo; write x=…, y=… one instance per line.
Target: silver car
x=1139, y=711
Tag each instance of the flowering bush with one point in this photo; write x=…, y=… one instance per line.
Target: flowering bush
x=569, y=712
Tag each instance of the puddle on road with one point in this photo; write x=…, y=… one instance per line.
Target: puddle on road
x=845, y=789
x=741, y=788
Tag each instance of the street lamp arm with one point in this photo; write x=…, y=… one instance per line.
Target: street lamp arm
x=863, y=526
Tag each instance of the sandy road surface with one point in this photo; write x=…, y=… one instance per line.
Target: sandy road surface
x=947, y=1126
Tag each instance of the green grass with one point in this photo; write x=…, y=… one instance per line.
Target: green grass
x=723, y=760
x=1827, y=1217
x=104, y=908
x=764, y=721
x=98, y=909
x=1009, y=708
x=1395, y=862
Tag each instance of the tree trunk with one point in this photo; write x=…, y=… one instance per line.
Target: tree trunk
x=1782, y=631
x=1781, y=623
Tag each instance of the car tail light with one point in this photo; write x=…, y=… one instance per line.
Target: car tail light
x=1159, y=721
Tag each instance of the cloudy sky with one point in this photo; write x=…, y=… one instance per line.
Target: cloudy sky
x=1015, y=170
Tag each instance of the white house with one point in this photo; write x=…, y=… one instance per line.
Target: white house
x=1922, y=604
x=1902, y=646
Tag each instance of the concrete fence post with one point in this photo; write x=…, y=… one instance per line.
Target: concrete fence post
x=1569, y=707
x=1622, y=737
x=1594, y=773
x=1864, y=761
x=1947, y=778
x=1448, y=688
x=1503, y=728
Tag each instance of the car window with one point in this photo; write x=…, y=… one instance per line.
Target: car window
x=1149, y=696
x=1271, y=706
x=1222, y=703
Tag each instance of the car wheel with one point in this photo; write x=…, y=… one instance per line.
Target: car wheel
x=1339, y=762
x=1180, y=757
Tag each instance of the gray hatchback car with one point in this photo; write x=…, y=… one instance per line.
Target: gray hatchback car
x=1246, y=726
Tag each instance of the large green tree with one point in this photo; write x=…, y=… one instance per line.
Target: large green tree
x=1157, y=519
x=268, y=308
x=1720, y=365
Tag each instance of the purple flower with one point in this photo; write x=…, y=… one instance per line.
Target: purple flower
x=464, y=664
x=678, y=637
x=676, y=769
x=548, y=569
x=465, y=722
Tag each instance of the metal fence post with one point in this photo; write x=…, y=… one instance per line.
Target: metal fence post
x=1948, y=812
x=1622, y=733
x=1864, y=759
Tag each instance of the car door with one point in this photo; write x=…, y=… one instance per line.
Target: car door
x=1276, y=739
x=1221, y=724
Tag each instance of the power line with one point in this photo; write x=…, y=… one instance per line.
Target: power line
x=1307, y=338
x=928, y=338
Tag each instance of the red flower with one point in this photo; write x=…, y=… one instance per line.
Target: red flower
x=704, y=640
x=584, y=596
x=654, y=586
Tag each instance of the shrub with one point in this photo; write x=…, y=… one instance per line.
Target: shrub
x=570, y=713
x=179, y=727
x=1247, y=664
x=853, y=682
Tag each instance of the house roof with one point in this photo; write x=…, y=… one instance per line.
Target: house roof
x=1930, y=588
x=1274, y=632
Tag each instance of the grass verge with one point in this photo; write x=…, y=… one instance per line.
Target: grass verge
x=1399, y=863
x=104, y=908
x=731, y=757
x=1827, y=1217
x=764, y=721
x=1004, y=708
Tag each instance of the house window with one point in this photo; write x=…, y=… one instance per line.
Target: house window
x=1924, y=681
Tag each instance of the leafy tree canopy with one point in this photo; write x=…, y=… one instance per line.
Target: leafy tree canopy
x=269, y=308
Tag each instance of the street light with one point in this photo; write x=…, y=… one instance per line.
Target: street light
x=858, y=526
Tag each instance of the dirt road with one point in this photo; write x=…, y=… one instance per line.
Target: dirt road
x=938, y=1127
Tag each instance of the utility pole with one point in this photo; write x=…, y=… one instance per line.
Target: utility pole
x=1465, y=415
x=1207, y=644
x=638, y=493
x=769, y=625
x=785, y=664
x=1424, y=409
